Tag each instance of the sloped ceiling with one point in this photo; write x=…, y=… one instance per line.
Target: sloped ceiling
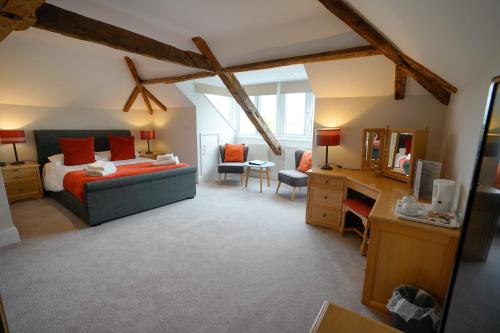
x=454, y=38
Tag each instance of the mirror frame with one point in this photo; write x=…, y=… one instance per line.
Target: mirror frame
x=418, y=148
x=369, y=164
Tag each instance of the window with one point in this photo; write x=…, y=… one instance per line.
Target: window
x=246, y=127
x=267, y=108
x=295, y=114
x=289, y=116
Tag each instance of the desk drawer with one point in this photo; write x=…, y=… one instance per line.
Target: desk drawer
x=327, y=217
x=332, y=182
x=22, y=188
x=332, y=198
x=14, y=175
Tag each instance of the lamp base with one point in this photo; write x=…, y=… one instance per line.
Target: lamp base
x=326, y=167
x=17, y=163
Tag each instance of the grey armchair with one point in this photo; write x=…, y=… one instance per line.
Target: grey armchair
x=293, y=178
x=232, y=167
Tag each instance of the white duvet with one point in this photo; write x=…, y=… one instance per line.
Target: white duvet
x=53, y=174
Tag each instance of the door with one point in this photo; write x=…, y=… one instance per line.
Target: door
x=209, y=144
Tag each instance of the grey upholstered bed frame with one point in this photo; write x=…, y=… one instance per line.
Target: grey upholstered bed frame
x=110, y=199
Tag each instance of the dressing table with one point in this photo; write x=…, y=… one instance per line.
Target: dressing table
x=399, y=251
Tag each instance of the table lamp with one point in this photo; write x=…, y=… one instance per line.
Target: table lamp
x=148, y=135
x=13, y=136
x=327, y=137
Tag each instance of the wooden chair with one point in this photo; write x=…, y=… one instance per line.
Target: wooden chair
x=362, y=210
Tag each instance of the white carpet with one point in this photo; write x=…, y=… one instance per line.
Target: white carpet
x=230, y=260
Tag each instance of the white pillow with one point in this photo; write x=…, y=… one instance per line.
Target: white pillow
x=103, y=155
x=57, y=159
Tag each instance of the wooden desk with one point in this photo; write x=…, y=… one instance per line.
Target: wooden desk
x=399, y=251
x=333, y=318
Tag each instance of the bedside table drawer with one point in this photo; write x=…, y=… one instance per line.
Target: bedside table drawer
x=22, y=188
x=19, y=174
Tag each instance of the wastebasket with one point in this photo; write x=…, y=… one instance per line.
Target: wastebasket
x=414, y=310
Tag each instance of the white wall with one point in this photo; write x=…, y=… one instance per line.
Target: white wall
x=175, y=128
x=463, y=129
x=355, y=113
x=8, y=232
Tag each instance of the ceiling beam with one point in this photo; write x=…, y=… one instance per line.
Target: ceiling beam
x=16, y=15
x=399, y=83
x=140, y=89
x=355, y=52
x=55, y=19
x=179, y=78
x=345, y=13
x=240, y=95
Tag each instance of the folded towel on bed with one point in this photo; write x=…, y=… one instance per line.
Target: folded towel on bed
x=173, y=161
x=165, y=157
x=101, y=166
x=100, y=169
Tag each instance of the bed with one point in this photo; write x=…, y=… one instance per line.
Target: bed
x=109, y=199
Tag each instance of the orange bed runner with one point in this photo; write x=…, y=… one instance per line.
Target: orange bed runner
x=74, y=181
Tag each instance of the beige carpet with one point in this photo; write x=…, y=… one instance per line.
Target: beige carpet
x=229, y=260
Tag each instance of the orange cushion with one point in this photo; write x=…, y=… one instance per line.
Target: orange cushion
x=305, y=161
x=359, y=206
x=77, y=150
x=234, y=152
x=121, y=147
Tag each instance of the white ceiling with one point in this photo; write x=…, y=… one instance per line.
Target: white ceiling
x=454, y=38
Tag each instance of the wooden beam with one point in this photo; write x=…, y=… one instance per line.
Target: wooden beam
x=179, y=78
x=131, y=99
x=240, y=95
x=16, y=15
x=155, y=100
x=55, y=19
x=400, y=83
x=345, y=13
x=355, y=52
x=135, y=76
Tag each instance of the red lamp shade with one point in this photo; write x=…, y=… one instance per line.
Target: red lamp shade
x=148, y=135
x=12, y=136
x=328, y=137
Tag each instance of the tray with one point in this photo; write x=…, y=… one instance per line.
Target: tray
x=423, y=218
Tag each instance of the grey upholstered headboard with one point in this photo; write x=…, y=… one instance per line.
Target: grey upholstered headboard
x=47, y=141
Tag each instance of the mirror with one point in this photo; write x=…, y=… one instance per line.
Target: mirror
x=399, y=154
x=373, y=147
x=404, y=147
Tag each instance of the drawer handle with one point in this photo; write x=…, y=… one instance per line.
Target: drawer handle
x=326, y=182
x=324, y=214
x=326, y=197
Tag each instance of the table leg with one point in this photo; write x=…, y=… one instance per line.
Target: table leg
x=260, y=176
x=246, y=178
x=268, y=179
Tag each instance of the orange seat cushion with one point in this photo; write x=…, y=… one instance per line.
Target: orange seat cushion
x=305, y=161
x=359, y=206
x=234, y=152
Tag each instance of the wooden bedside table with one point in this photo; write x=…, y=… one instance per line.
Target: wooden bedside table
x=152, y=156
x=22, y=181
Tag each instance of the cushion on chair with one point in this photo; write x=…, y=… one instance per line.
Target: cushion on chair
x=234, y=153
x=231, y=167
x=359, y=206
x=305, y=161
x=293, y=178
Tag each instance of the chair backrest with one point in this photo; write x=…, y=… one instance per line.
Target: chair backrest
x=222, y=152
x=298, y=156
